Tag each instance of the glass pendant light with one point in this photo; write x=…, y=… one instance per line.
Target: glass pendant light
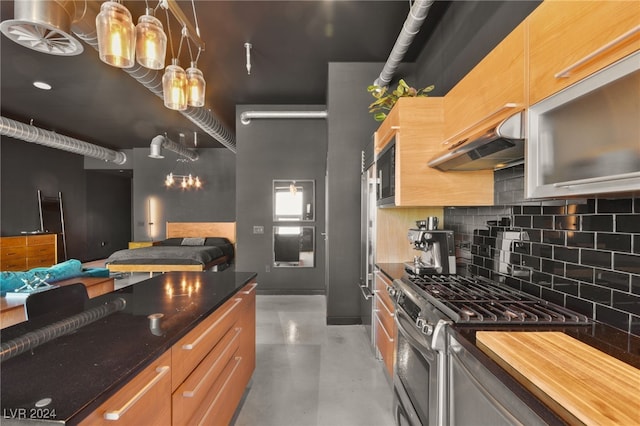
x=151, y=42
x=116, y=35
x=196, y=86
x=174, y=86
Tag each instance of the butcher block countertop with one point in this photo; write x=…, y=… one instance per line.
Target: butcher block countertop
x=582, y=384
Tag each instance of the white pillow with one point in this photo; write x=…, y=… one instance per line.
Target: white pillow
x=192, y=241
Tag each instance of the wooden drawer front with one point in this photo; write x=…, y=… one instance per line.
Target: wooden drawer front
x=40, y=262
x=385, y=342
x=490, y=92
x=248, y=338
x=385, y=315
x=34, y=240
x=12, y=241
x=224, y=397
x=43, y=250
x=579, y=37
x=11, y=253
x=193, y=393
x=146, y=399
x=192, y=348
x=382, y=283
x=13, y=264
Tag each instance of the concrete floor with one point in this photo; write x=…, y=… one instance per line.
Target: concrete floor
x=311, y=374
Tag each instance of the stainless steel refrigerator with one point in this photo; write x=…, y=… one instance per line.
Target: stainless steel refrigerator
x=368, y=188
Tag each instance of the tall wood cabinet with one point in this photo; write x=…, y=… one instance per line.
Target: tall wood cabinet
x=570, y=40
x=24, y=252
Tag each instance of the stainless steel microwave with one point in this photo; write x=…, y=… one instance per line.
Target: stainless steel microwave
x=386, y=168
x=586, y=138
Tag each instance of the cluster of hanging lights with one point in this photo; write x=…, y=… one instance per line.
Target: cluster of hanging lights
x=121, y=44
x=185, y=181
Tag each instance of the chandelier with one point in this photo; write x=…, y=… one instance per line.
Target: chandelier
x=121, y=44
x=182, y=179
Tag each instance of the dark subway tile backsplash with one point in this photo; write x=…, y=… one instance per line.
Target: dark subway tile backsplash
x=583, y=254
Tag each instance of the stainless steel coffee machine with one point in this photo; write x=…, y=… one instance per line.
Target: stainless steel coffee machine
x=437, y=252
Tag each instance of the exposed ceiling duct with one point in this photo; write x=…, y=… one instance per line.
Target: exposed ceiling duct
x=410, y=28
x=28, y=133
x=161, y=141
x=44, y=26
x=246, y=116
x=36, y=16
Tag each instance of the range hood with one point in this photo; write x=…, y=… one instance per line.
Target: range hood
x=500, y=146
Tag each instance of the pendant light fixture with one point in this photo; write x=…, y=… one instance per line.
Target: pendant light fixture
x=196, y=86
x=151, y=41
x=116, y=35
x=174, y=86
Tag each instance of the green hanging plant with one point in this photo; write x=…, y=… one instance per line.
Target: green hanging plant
x=385, y=100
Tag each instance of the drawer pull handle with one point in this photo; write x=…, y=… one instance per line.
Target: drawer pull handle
x=192, y=393
x=389, y=338
x=253, y=287
x=223, y=389
x=117, y=414
x=503, y=108
x=190, y=346
x=566, y=73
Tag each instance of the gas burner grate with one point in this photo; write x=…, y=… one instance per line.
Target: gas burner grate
x=477, y=300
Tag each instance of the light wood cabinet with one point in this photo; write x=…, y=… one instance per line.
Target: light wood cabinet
x=146, y=399
x=492, y=91
x=416, y=125
x=569, y=40
x=385, y=327
x=213, y=363
x=200, y=380
x=25, y=252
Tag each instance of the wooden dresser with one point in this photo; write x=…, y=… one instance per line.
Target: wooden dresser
x=24, y=252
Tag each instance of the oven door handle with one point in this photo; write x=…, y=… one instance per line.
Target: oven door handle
x=415, y=339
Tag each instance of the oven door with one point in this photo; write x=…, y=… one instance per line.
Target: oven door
x=416, y=376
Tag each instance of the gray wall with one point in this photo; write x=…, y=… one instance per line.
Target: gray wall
x=271, y=149
x=350, y=128
x=26, y=167
x=214, y=202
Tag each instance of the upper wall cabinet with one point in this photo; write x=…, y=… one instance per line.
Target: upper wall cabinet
x=416, y=125
x=490, y=92
x=570, y=40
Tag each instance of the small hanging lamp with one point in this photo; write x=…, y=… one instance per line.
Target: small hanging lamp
x=116, y=35
x=151, y=42
x=174, y=86
x=196, y=86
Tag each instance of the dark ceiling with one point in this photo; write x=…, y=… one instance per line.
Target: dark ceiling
x=293, y=42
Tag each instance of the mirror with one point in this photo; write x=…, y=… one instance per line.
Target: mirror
x=293, y=200
x=293, y=246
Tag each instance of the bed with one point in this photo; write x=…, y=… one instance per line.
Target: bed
x=189, y=246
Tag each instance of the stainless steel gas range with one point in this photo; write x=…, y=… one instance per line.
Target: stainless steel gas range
x=428, y=360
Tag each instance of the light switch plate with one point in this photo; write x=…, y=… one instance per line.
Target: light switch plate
x=258, y=229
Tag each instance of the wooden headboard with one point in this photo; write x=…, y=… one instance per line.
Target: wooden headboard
x=202, y=229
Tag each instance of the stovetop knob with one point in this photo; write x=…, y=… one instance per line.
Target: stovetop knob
x=427, y=329
x=392, y=291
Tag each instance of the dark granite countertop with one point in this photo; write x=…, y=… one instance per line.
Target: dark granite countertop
x=612, y=341
x=81, y=370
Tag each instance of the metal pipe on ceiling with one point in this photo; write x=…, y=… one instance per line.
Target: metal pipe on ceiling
x=28, y=133
x=246, y=116
x=162, y=141
x=411, y=26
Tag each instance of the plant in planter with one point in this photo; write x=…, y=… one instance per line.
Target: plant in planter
x=385, y=101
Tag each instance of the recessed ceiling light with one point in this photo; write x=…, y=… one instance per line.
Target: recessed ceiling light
x=42, y=85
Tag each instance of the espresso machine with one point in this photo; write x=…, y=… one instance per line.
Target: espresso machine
x=437, y=252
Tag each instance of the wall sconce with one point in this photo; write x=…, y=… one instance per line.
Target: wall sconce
x=116, y=35
x=151, y=42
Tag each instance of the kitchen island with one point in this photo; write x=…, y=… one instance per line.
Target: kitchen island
x=206, y=320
